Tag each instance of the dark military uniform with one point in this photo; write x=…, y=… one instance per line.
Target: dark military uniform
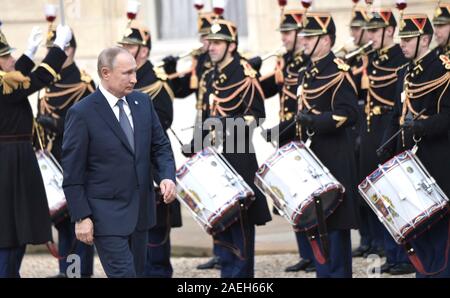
x=442, y=17
x=184, y=84
x=284, y=82
x=24, y=213
x=383, y=71
x=153, y=81
x=424, y=84
x=328, y=91
x=72, y=85
x=234, y=92
x=358, y=60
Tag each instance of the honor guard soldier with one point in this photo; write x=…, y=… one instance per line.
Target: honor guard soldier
x=383, y=72
x=422, y=108
x=153, y=81
x=284, y=81
x=327, y=100
x=441, y=22
x=71, y=86
x=231, y=91
x=186, y=83
x=24, y=212
x=358, y=60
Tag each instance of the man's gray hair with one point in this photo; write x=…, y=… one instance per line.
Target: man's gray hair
x=107, y=58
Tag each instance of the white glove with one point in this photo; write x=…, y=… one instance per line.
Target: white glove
x=34, y=41
x=63, y=36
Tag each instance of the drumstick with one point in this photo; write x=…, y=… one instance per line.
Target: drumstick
x=398, y=132
x=176, y=137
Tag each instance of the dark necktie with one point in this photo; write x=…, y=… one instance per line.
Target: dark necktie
x=125, y=124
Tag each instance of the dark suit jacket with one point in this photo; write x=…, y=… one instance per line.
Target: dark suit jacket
x=103, y=177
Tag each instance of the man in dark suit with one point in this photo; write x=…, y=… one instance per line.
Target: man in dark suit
x=113, y=140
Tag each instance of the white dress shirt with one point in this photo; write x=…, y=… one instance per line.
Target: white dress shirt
x=112, y=101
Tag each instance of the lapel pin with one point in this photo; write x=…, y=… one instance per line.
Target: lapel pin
x=136, y=102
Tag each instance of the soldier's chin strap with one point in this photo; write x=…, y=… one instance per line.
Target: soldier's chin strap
x=417, y=47
x=137, y=52
x=315, y=46
x=292, y=52
x=382, y=38
x=447, y=43
x=224, y=54
x=361, y=37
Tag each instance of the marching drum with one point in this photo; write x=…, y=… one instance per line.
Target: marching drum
x=404, y=196
x=293, y=176
x=52, y=176
x=212, y=190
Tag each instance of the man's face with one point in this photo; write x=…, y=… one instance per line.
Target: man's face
x=122, y=78
x=131, y=48
x=288, y=39
x=409, y=46
x=441, y=33
x=140, y=53
x=308, y=43
x=376, y=35
x=205, y=43
x=7, y=63
x=322, y=48
x=355, y=33
x=217, y=50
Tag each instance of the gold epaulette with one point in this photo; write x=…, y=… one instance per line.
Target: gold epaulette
x=299, y=58
x=445, y=61
x=47, y=67
x=13, y=80
x=341, y=64
x=248, y=69
x=160, y=73
x=196, y=53
x=154, y=89
x=85, y=77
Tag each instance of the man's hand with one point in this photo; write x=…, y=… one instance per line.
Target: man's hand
x=168, y=190
x=84, y=231
x=416, y=126
x=256, y=63
x=305, y=119
x=47, y=122
x=34, y=41
x=63, y=36
x=170, y=64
